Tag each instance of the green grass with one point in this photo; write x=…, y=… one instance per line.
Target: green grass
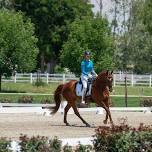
x=120, y=102
x=50, y=88
x=28, y=88
x=137, y=90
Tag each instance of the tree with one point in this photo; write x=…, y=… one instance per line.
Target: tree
x=132, y=41
x=18, y=49
x=51, y=19
x=140, y=42
x=6, y=4
x=88, y=34
x=147, y=15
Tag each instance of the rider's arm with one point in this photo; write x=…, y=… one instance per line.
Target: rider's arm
x=93, y=71
x=83, y=68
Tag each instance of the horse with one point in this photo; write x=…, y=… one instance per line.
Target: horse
x=101, y=87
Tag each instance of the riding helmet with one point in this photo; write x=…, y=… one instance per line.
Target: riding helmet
x=87, y=53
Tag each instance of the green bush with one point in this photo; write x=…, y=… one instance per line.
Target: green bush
x=59, y=69
x=5, y=100
x=4, y=145
x=67, y=148
x=123, y=138
x=83, y=148
x=25, y=99
x=33, y=144
x=55, y=145
x=39, y=144
x=146, y=102
x=46, y=101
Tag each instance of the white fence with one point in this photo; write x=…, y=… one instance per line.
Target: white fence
x=33, y=77
x=119, y=79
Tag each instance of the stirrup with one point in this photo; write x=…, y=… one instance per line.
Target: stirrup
x=83, y=102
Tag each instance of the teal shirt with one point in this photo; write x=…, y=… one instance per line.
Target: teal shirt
x=87, y=67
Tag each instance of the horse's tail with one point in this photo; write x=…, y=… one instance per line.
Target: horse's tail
x=57, y=98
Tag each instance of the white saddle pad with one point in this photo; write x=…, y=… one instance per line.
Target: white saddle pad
x=79, y=90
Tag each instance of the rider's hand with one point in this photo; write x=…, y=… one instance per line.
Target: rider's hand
x=89, y=75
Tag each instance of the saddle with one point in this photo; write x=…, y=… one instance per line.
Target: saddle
x=79, y=87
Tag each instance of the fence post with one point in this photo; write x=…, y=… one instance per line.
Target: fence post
x=15, y=78
x=31, y=78
x=132, y=80
x=114, y=80
x=150, y=81
x=47, y=78
x=63, y=78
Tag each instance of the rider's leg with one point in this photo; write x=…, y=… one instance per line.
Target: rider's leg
x=84, y=82
x=83, y=95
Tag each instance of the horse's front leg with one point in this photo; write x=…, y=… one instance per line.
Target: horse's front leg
x=108, y=113
x=105, y=105
x=106, y=118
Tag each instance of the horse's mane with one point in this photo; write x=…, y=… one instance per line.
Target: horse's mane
x=100, y=81
x=101, y=75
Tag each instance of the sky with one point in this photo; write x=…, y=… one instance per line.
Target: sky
x=107, y=6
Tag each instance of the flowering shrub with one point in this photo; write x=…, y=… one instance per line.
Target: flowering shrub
x=119, y=138
x=123, y=138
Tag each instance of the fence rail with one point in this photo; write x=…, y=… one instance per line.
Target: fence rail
x=119, y=78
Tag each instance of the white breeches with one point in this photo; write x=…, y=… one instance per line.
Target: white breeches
x=84, y=80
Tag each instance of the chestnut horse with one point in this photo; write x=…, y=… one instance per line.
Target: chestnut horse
x=99, y=94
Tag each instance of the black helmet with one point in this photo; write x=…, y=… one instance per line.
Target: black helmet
x=87, y=53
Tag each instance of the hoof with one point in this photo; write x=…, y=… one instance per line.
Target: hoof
x=67, y=124
x=88, y=125
x=105, y=122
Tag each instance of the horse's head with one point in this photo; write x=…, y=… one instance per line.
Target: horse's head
x=106, y=78
x=109, y=80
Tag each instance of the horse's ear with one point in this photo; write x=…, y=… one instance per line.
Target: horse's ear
x=111, y=72
x=107, y=72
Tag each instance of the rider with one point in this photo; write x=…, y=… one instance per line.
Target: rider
x=87, y=71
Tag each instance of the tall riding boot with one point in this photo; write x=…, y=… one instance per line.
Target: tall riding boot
x=83, y=95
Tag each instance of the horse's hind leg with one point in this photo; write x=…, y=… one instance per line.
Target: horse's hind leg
x=66, y=109
x=77, y=113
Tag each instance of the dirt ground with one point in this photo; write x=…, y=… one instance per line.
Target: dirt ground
x=12, y=125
